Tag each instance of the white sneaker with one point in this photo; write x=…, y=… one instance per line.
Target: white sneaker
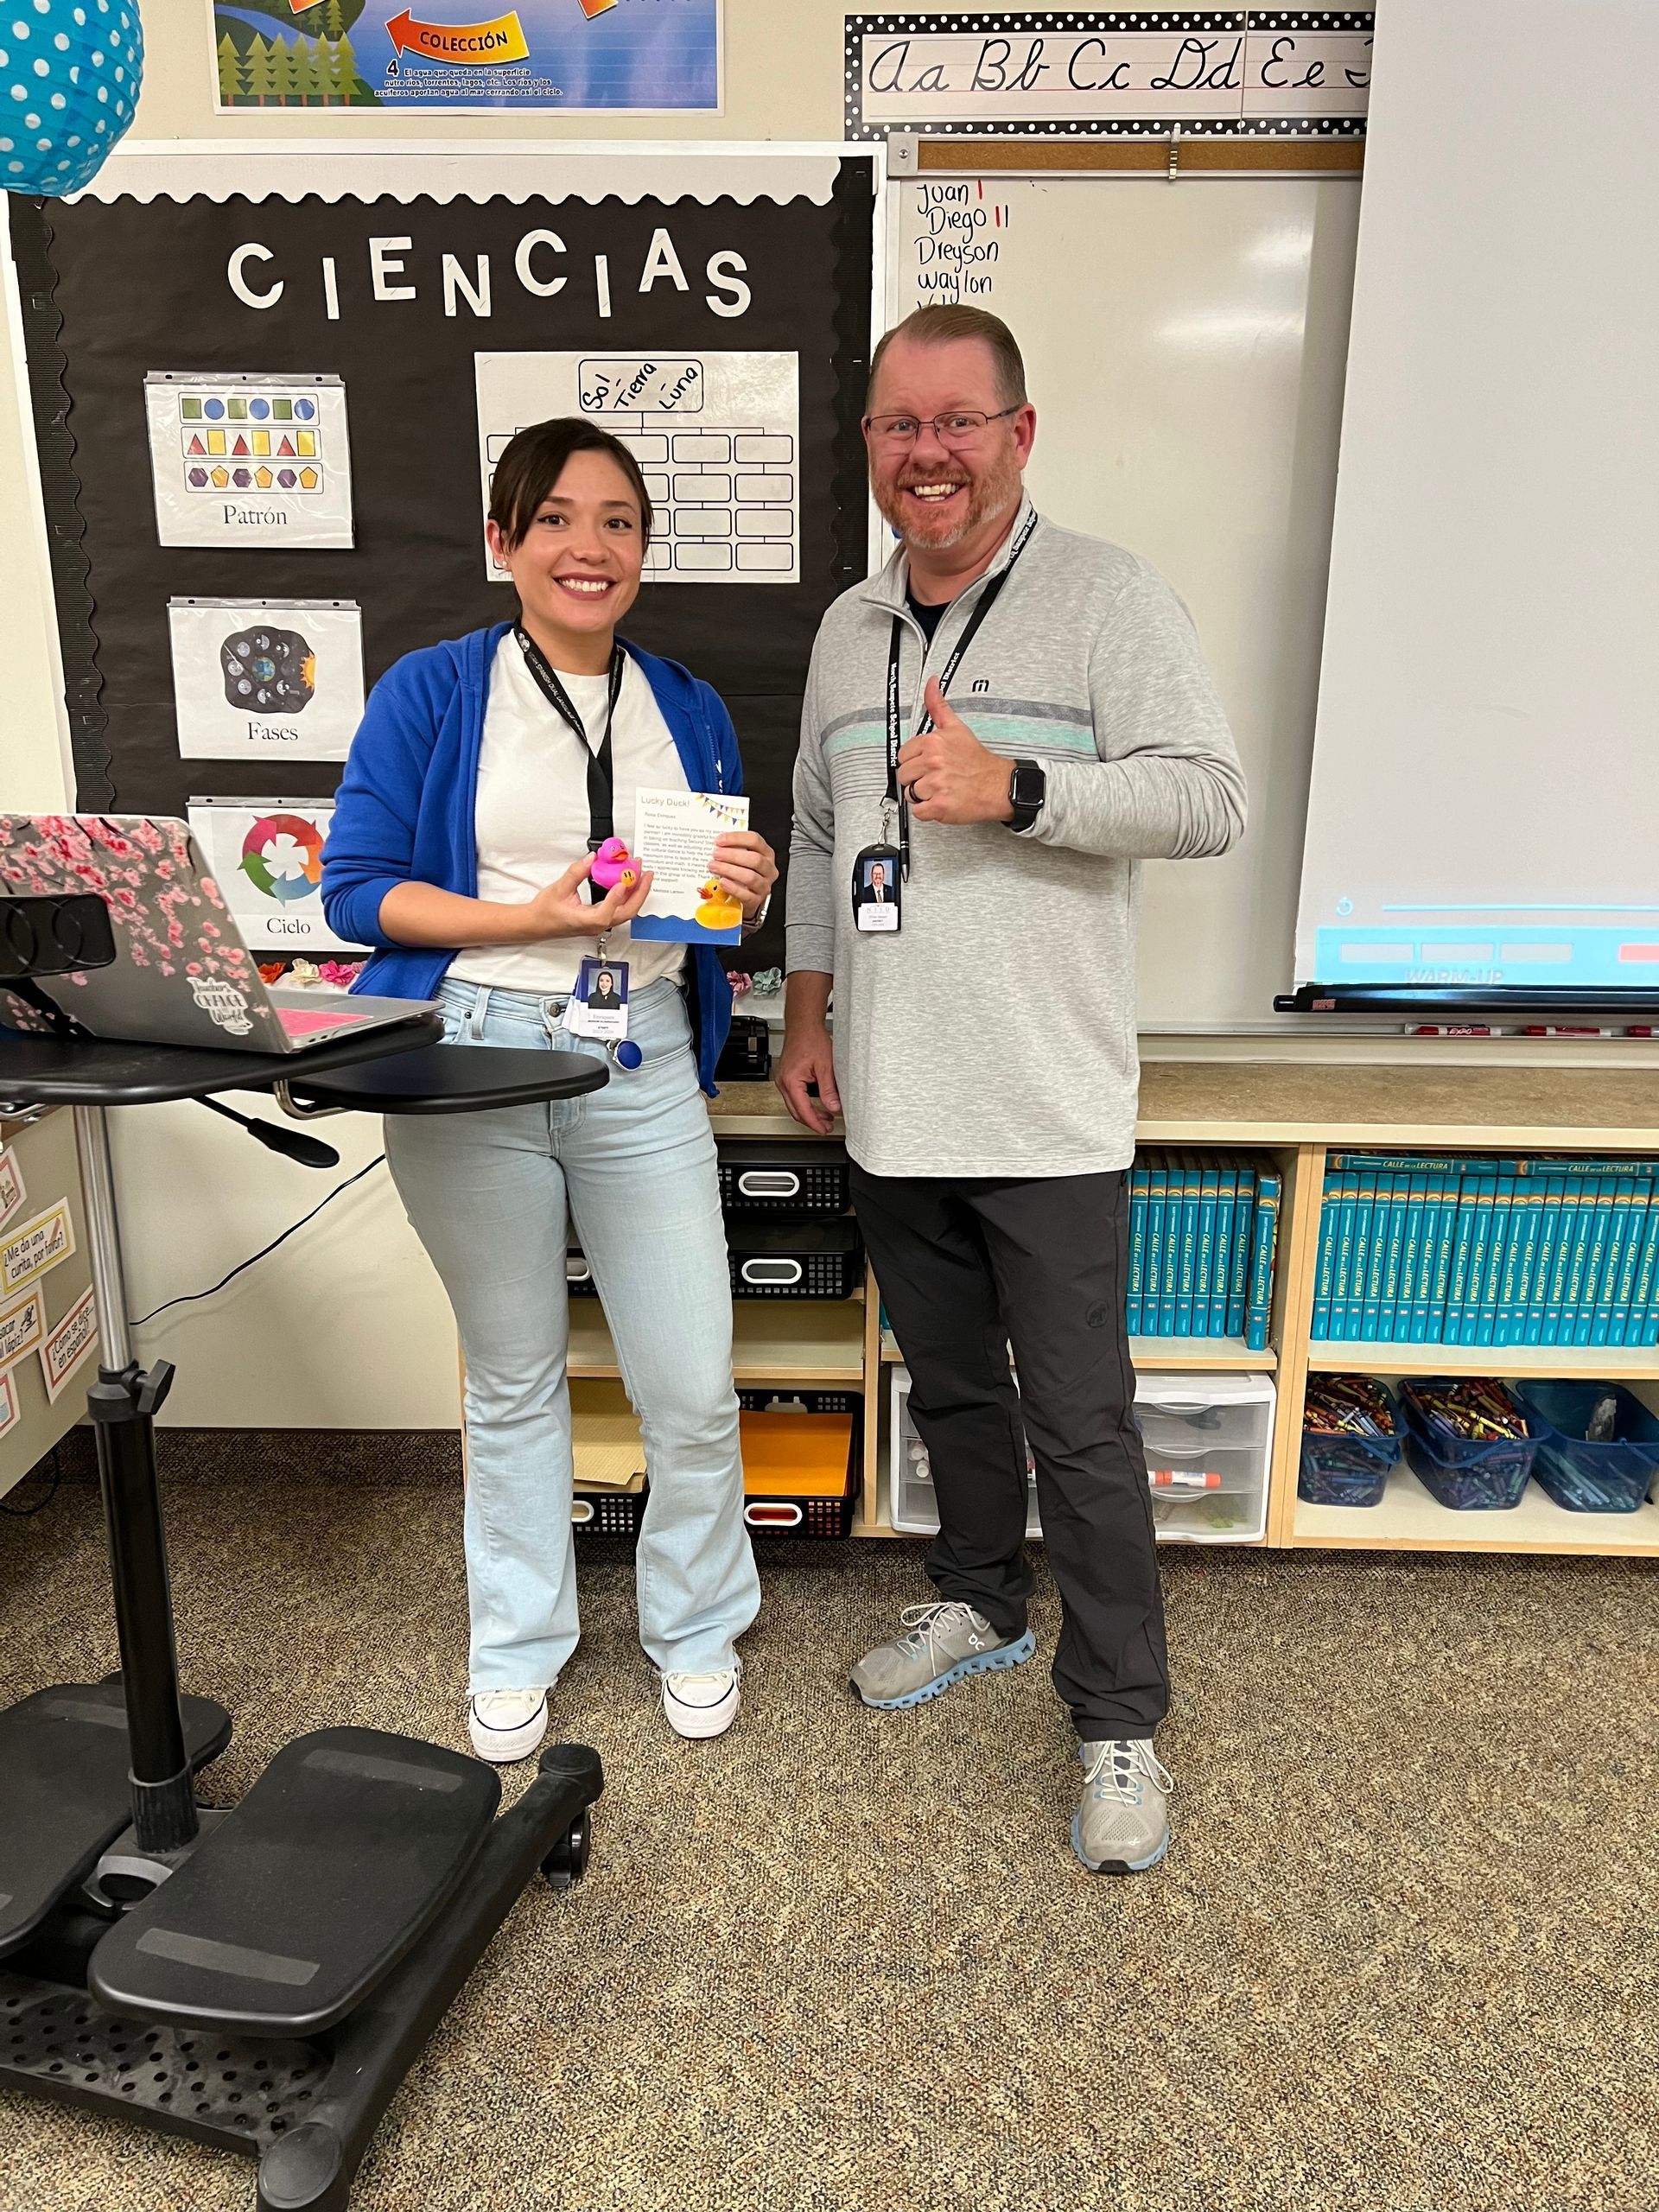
x=507, y=1725
x=703, y=1704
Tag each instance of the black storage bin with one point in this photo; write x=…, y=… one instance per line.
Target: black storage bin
x=781, y=1175
x=746, y=1056
x=808, y=1258
x=578, y=1275
x=607, y=1513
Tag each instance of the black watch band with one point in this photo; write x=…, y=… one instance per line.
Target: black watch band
x=1027, y=789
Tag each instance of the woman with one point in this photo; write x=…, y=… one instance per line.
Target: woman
x=475, y=788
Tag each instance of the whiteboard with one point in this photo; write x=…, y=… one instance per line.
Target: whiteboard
x=1184, y=347
x=1482, y=805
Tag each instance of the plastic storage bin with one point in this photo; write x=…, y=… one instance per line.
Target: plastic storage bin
x=1584, y=1477
x=809, y=1258
x=784, y=1175
x=1467, y=1475
x=800, y=1463
x=1207, y=1438
x=1349, y=1469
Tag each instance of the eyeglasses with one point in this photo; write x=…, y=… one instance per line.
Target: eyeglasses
x=960, y=427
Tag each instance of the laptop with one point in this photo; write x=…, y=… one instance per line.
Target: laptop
x=181, y=974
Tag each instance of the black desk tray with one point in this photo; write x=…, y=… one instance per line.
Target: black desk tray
x=305, y=1897
x=64, y=1799
x=450, y=1079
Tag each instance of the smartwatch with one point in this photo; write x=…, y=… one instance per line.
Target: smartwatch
x=1028, y=788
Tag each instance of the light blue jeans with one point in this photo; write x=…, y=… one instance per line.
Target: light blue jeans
x=487, y=1195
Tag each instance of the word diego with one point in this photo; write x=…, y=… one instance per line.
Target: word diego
x=535, y=267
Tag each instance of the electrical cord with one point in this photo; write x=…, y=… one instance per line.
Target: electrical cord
x=28, y=1512
x=190, y=1297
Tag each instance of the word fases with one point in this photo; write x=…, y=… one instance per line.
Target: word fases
x=1127, y=71
x=541, y=265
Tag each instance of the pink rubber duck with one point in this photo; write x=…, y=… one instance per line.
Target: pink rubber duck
x=614, y=864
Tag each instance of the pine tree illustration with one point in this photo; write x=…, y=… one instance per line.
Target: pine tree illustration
x=231, y=89
x=260, y=75
x=290, y=77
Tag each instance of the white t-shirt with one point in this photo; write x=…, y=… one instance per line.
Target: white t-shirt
x=531, y=815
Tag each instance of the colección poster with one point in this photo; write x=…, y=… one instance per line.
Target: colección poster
x=581, y=56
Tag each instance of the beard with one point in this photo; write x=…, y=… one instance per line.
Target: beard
x=991, y=492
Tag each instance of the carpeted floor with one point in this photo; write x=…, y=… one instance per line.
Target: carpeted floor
x=1400, y=1957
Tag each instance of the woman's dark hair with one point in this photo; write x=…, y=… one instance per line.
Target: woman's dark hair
x=534, y=461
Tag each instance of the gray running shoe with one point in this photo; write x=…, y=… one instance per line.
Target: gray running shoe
x=1121, y=1824
x=939, y=1644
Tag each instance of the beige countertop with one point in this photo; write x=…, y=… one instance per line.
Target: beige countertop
x=1240, y=1101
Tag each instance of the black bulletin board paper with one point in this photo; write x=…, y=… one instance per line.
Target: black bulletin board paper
x=115, y=289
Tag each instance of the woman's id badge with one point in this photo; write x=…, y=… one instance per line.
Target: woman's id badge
x=598, y=1007
x=876, y=888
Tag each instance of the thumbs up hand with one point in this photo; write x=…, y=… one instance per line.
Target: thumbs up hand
x=948, y=774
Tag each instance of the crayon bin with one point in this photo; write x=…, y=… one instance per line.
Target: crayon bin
x=1585, y=1477
x=1467, y=1474
x=1346, y=1467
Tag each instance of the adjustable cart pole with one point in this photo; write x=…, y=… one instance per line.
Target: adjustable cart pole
x=121, y=1404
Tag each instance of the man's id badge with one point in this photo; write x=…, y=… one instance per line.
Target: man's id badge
x=598, y=1007
x=876, y=888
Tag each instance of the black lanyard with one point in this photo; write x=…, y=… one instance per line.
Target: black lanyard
x=896, y=796
x=601, y=822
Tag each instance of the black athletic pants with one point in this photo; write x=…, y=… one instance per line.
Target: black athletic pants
x=967, y=1265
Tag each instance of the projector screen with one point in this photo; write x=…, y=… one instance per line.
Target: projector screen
x=1484, y=808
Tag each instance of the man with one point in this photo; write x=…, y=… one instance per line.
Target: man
x=988, y=1131
x=878, y=891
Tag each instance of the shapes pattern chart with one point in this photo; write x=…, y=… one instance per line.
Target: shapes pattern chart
x=716, y=436
x=249, y=460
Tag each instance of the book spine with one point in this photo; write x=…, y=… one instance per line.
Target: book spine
x=1519, y=1261
x=1644, y=1302
x=1578, y=1259
x=1243, y=1228
x=1536, y=1295
x=1170, y=1261
x=1497, y=1254
x=1618, y=1234
x=1187, y=1270
x=1560, y=1265
x=1376, y=1257
x=1480, y=1240
x=1394, y=1249
x=1622, y=1330
x=1324, y=1267
x=1439, y=1277
x=1463, y=1235
x=1364, y=1222
x=1342, y=1272
x=1402, y=1325
x=1139, y=1179
x=1226, y=1200
x=1265, y=1233
x=1601, y=1221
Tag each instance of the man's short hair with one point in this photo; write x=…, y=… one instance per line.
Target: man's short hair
x=942, y=326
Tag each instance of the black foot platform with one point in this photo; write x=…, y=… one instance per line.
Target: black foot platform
x=329, y=1871
x=64, y=1796
x=305, y=2106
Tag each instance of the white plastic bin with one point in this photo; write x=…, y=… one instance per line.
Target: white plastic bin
x=1213, y=1430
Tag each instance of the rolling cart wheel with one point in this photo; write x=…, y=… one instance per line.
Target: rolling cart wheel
x=568, y=1860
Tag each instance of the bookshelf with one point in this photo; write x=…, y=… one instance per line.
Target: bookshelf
x=1299, y=1113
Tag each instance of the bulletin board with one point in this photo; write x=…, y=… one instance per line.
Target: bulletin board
x=269, y=385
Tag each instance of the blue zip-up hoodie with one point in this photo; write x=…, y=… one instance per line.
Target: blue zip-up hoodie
x=404, y=810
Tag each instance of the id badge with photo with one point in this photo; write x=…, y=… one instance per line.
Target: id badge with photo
x=877, y=884
x=598, y=1007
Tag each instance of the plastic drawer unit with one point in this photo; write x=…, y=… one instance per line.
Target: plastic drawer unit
x=779, y=1175
x=1207, y=1438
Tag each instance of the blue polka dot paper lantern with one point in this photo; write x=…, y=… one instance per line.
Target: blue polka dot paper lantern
x=69, y=72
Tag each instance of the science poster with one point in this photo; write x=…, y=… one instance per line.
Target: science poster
x=266, y=677
x=616, y=57
x=266, y=857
